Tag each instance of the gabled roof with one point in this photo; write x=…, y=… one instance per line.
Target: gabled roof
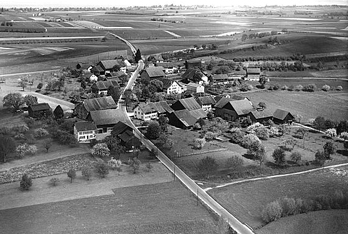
x=126, y=135
x=189, y=73
x=108, y=64
x=163, y=107
x=119, y=74
x=206, y=100
x=120, y=127
x=253, y=70
x=261, y=114
x=237, y=73
x=188, y=103
x=85, y=126
x=100, y=103
x=40, y=107
x=223, y=100
x=167, y=83
x=147, y=107
x=242, y=107
x=106, y=117
x=281, y=114
x=185, y=117
x=104, y=85
x=154, y=71
x=198, y=114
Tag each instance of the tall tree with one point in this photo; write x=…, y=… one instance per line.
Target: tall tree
x=128, y=96
x=30, y=100
x=114, y=92
x=137, y=56
x=14, y=100
x=58, y=112
x=7, y=146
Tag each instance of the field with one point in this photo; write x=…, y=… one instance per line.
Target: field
x=312, y=223
x=332, y=105
x=155, y=209
x=246, y=200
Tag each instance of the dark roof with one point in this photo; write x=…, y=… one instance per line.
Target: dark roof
x=167, y=83
x=40, y=107
x=119, y=74
x=198, y=114
x=253, y=70
x=104, y=85
x=206, y=100
x=163, y=107
x=85, y=126
x=100, y=103
x=281, y=114
x=120, y=127
x=126, y=135
x=155, y=72
x=189, y=73
x=189, y=103
x=108, y=64
x=241, y=107
x=107, y=117
x=261, y=114
x=185, y=117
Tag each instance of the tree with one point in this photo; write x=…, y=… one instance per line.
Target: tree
x=137, y=56
x=272, y=212
x=135, y=165
x=207, y=166
x=100, y=150
x=23, y=84
x=30, y=100
x=54, y=181
x=262, y=105
x=47, y=145
x=258, y=151
x=83, y=84
x=86, y=172
x=244, y=37
x=153, y=130
x=296, y=156
x=71, y=174
x=58, y=112
x=234, y=162
x=13, y=100
x=39, y=86
x=319, y=123
x=329, y=148
x=102, y=169
x=114, y=92
x=262, y=81
x=163, y=122
x=158, y=84
x=279, y=156
x=114, y=144
x=7, y=146
x=26, y=182
x=128, y=95
x=320, y=157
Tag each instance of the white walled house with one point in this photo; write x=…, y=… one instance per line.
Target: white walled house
x=84, y=131
x=172, y=87
x=194, y=87
x=146, y=111
x=206, y=102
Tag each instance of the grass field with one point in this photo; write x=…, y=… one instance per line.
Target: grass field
x=332, y=105
x=318, y=222
x=153, y=209
x=246, y=200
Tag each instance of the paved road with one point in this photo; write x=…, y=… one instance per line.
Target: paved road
x=130, y=45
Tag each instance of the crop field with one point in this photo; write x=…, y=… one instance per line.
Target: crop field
x=332, y=105
x=246, y=200
x=158, y=208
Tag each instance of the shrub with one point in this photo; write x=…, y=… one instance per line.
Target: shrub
x=199, y=143
x=153, y=130
x=291, y=88
x=100, y=150
x=135, y=165
x=54, y=181
x=19, y=136
x=148, y=166
x=331, y=132
x=102, y=169
x=26, y=182
x=298, y=87
x=5, y=131
x=279, y=156
x=20, y=129
x=288, y=206
x=40, y=132
x=86, y=172
x=71, y=174
x=209, y=136
x=325, y=201
x=310, y=88
x=251, y=128
x=296, y=156
x=329, y=148
x=344, y=135
x=114, y=163
x=249, y=139
x=262, y=133
x=339, y=88
x=207, y=166
x=236, y=137
x=284, y=87
x=272, y=212
x=276, y=87
x=234, y=162
x=320, y=157
x=325, y=88
x=273, y=132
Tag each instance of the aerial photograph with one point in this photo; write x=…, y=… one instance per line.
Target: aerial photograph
x=174, y=117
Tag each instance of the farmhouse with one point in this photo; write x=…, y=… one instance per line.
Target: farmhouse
x=237, y=74
x=206, y=102
x=85, y=131
x=193, y=63
x=101, y=87
x=182, y=119
x=126, y=134
x=152, y=73
x=39, y=110
x=146, y=111
x=169, y=68
x=82, y=109
x=163, y=108
x=233, y=110
x=193, y=75
x=105, y=120
x=260, y=116
x=186, y=103
x=171, y=87
x=282, y=116
x=253, y=73
x=195, y=88
x=108, y=65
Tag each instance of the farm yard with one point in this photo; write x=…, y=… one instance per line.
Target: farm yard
x=246, y=204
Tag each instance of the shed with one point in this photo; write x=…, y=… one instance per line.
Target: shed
x=39, y=110
x=282, y=116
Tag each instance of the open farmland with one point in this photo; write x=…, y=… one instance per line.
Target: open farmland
x=332, y=105
x=246, y=200
x=155, y=209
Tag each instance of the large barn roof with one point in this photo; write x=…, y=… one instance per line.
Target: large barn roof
x=101, y=103
x=106, y=117
x=242, y=107
x=189, y=103
x=155, y=72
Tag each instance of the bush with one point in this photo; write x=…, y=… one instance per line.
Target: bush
x=54, y=182
x=234, y=162
x=339, y=88
x=24, y=149
x=331, y=132
x=320, y=157
x=237, y=137
x=298, y=87
x=288, y=206
x=26, y=182
x=291, y=88
x=262, y=133
x=325, y=88
x=279, y=156
x=296, y=156
x=284, y=87
x=114, y=164
x=344, y=135
x=199, y=143
x=153, y=130
x=20, y=129
x=86, y=172
x=100, y=150
x=40, y=132
x=71, y=174
x=272, y=212
x=209, y=136
x=249, y=139
x=276, y=87
x=207, y=166
x=102, y=169
x=309, y=88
